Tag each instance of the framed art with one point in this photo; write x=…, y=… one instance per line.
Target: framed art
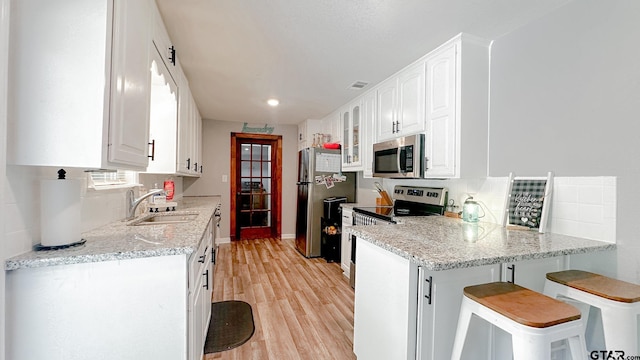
x=527, y=202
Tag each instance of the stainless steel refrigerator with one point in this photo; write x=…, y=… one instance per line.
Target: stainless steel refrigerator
x=319, y=177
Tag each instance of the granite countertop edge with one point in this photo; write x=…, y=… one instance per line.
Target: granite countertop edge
x=417, y=249
x=118, y=241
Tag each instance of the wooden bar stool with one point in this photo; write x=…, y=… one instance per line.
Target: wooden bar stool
x=618, y=301
x=533, y=320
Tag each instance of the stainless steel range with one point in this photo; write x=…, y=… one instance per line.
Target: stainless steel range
x=407, y=201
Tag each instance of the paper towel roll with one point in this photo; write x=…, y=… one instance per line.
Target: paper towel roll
x=60, y=212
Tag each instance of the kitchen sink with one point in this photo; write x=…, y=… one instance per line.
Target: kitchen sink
x=163, y=219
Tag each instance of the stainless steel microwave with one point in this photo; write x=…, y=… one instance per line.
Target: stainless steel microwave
x=401, y=158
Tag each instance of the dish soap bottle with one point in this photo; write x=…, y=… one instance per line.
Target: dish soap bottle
x=169, y=188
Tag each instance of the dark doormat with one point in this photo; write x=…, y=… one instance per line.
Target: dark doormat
x=231, y=326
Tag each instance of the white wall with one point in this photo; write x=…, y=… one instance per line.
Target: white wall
x=565, y=97
x=216, y=145
x=4, y=45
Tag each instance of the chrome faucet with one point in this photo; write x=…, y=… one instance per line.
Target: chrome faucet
x=133, y=202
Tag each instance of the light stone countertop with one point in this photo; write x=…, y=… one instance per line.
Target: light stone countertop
x=118, y=241
x=438, y=242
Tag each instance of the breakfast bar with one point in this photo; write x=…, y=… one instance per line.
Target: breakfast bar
x=411, y=275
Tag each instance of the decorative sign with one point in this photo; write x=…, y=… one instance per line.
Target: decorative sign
x=266, y=129
x=526, y=202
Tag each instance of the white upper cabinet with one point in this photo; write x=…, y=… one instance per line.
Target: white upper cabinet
x=79, y=84
x=352, y=136
x=457, y=78
x=401, y=103
x=367, y=137
x=176, y=125
x=162, y=42
x=307, y=131
x=163, y=129
x=387, y=93
x=189, y=160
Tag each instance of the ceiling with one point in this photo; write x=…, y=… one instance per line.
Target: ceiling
x=307, y=53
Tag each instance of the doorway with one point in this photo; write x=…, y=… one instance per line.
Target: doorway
x=256, y=186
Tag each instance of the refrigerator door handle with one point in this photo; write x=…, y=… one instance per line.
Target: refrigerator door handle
x=303, y=183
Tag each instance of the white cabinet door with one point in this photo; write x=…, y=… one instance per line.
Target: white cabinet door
x=457, y=76
x=386, y=114
x=411, y=100
x=368, y=134
x=352, y=136
x=83, y=70
x=163, y=117
x=307, y=131
x=345, y=254
x=189, y=131
x=200, y=290
x=532, y=273
x=385, y=304
x=130, y=83
x=345, y=116
x=439, y=299
x=441, y=113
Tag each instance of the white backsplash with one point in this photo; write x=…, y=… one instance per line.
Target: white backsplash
x=22, y=203
x=580, y=206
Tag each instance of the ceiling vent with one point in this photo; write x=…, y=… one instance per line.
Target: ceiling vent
x=358, y=85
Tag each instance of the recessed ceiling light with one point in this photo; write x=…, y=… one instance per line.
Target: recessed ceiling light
x=273, y=102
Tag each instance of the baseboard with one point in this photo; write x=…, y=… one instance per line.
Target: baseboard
x=226, y=240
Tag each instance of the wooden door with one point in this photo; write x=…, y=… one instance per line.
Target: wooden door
x=256, y=186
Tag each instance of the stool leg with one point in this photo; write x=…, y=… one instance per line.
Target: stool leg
x=463, y=326
x=578, y=346
x=530, y=347
x=620, y=330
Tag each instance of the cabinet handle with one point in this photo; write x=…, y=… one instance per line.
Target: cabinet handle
x=213, y=256
x=398, y=126
x=393, y=127
x=204, y=255
x=206, y=276
x=428, y=296
x=200, y=169
x=195, y=167
x=513, y=273
x=189, y=164
x=153, y=150
x=172, y=55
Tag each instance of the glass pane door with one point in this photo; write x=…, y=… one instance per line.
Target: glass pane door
x=255, y=185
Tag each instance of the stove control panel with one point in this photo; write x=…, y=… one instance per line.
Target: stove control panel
x=424, y=195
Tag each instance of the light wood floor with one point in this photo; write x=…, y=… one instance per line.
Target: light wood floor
x=302, y=308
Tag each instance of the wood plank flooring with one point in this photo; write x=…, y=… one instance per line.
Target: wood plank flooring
x=302, y=308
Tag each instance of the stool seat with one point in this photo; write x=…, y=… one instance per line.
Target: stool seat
x=618, y=302
x=608, y=288
x=522, y=305
x=533, y=320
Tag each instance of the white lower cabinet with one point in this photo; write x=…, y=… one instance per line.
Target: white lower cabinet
x=345, y=242
x=532, y=273
x=385, y=304
x=200, y=290
x=439, y=299
x=404, y=311
x=144, y=308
